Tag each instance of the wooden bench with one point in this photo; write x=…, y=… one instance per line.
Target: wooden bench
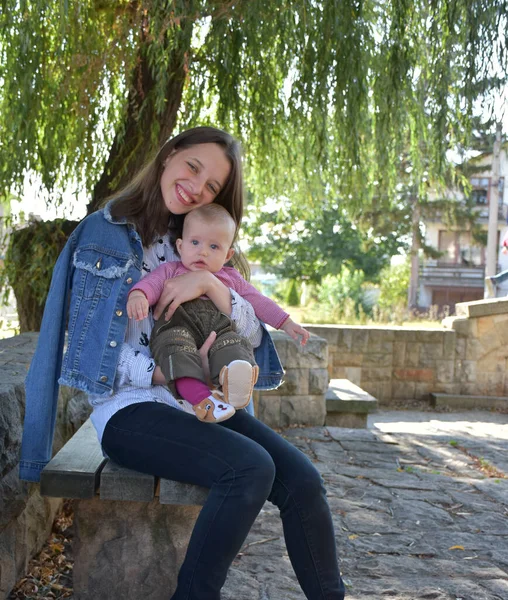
x=131, y=530
x=347, y=405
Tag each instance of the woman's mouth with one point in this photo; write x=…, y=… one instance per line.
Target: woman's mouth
x=182, y=195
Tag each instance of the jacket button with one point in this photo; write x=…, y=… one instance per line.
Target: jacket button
x=112, y=344
x=104, y=378
x=129, y=279
x=119, y=313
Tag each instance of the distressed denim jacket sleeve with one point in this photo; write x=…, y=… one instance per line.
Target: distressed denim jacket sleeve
x=42, y=380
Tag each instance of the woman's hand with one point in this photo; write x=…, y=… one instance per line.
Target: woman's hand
x=189, y=286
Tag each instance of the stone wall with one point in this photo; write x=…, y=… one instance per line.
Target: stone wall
x=25, y=517
x=468, y=355
x=481, y=329
x=301, y=398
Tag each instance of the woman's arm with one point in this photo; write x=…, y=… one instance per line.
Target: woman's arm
x=189, y=286
x=202, y=283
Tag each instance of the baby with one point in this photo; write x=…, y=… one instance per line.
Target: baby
x=206, y=241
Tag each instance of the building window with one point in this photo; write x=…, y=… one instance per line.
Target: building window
x=480, y=191
x=458, y=248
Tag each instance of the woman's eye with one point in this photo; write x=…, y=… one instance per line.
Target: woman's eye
x=192, y=167
x=212, y=188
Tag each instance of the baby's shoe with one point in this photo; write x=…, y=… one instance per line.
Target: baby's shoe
x=237, y=380
x=213, y=409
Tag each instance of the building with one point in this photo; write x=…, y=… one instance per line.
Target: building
x=458, y=275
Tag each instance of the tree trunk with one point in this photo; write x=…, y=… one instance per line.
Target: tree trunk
x=134, y=144
x=415, y=262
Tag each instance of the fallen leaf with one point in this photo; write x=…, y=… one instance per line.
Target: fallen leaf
x=456, y=548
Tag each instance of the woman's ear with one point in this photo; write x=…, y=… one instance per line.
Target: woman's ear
x=230, y=253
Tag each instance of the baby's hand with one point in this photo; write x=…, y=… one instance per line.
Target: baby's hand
x=296, y=331
x=137, y=306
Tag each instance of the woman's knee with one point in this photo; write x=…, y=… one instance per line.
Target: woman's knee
x=303, y=485
x=256, y=477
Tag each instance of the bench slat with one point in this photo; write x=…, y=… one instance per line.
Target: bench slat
x=175, y=492
x=74, y=471
x=119, y=483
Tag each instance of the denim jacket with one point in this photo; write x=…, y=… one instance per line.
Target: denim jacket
x=91, y=280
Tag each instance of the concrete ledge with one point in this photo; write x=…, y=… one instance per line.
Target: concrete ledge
x=482, y=308
x=468, y=402
x=347, y=405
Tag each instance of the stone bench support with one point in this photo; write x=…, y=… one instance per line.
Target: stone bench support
x=131, y=530
x=347, y=405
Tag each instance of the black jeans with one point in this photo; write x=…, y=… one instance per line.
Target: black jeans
x=244, y=463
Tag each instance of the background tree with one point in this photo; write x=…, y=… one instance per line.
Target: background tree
x=322, y=92
x=300, y=246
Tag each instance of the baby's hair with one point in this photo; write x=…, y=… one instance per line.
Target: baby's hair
x=213, y=213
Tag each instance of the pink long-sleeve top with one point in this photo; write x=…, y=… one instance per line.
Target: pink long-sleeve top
x=266, y=310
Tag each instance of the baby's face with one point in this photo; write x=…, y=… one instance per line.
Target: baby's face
x=205, y=246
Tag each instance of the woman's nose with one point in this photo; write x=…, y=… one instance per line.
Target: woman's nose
x=198, y=184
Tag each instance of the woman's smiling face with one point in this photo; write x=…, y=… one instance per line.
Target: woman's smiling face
x=194, y=177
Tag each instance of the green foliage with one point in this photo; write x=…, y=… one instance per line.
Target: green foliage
x=302, y=244
x=293, y=295
x=28, y=266
x=393, y=287
x=339, y=298
x=326, y=95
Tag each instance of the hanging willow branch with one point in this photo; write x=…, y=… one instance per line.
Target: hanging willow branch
x=326, y=95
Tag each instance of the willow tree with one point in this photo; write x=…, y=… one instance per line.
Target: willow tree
x=323, y=93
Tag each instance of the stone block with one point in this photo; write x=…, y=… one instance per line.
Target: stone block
x=296, y=381
x=302, y=410
x=423, y=390
x=430, y=354
x=133, y=548
x=331, y=333
x=313, y=355
x=445, y=371
x=377, y=359
x=268, y=410
x=449, y=344
x=23, y=536
x=482, y=308
x=376, y=374
x=414, y=374
x=360, y=340
x=354, y=374
x=318, y=381
x=403, y=390
x=347, y=359
x=10, y=428
x=468, y=371
x=430, y=336
x=413, y=354
x=399, y=354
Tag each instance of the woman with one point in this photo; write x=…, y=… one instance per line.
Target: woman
x=139, y=423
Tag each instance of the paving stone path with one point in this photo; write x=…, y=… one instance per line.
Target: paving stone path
x=420, y=506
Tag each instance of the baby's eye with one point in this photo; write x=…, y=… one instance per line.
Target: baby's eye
x=194, y=242
x=214, y=246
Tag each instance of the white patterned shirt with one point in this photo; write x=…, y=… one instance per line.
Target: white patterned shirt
x=133, y=380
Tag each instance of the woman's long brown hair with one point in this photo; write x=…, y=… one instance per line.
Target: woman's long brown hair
x=142, y=204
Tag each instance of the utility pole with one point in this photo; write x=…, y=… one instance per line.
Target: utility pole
x=414, y=282
x=492, y=241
